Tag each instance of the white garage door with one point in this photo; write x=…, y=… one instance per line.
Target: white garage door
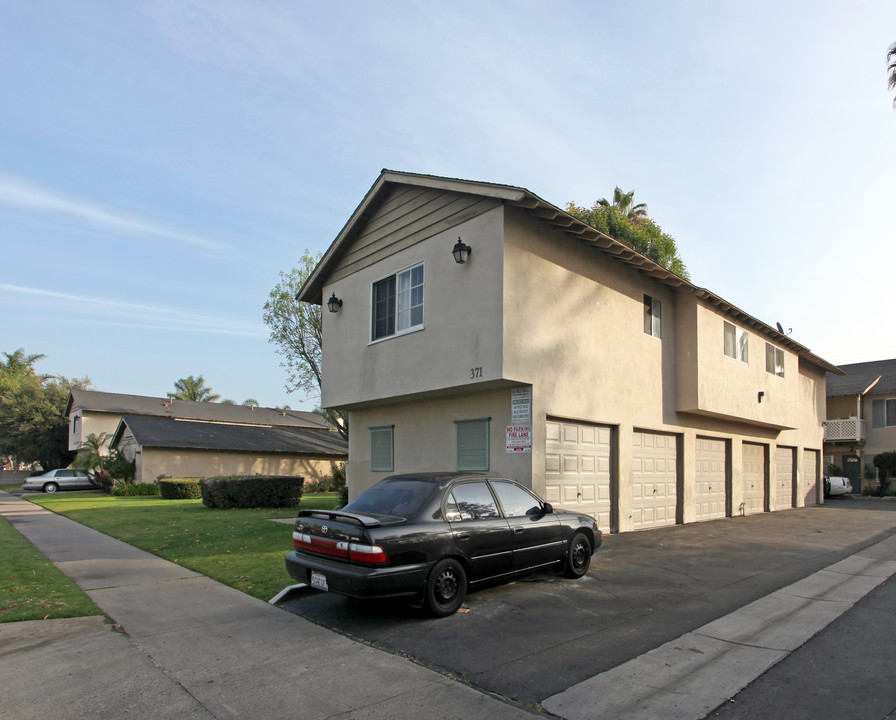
x=785, y=474
x=810, y=475
x=753, y=479
x=712, y=477
x=654, y=480
x=577, y=468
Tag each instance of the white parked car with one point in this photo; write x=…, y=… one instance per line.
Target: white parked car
x=64, y=479
x=836, y=485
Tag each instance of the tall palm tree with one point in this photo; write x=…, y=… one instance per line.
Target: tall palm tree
x=194, y=389
x=891, y=69
x=625, y=203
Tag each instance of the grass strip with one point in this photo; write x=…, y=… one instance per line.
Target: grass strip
x=240, y=548
x=31, y=587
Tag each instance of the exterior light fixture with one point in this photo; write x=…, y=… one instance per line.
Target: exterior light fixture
x=761, y=395
x=334, y=303
x=461, y=252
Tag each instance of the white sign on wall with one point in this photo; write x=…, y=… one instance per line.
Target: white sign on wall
x=519, y=438
x=521, y=406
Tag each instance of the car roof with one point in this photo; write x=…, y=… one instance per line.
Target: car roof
x=442, y=479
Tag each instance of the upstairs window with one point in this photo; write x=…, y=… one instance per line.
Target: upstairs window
x=653, y=316
x=883, y=413
x=737, y=343
x=774, y=360
x=398, y=303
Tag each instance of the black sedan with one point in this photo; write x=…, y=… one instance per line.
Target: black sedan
x=429, y=536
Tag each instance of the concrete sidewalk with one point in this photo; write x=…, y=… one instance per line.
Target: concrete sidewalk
x=177, y=644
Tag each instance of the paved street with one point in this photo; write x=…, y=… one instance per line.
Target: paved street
x=644, y=589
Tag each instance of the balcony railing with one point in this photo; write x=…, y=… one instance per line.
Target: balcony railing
x=845, y=429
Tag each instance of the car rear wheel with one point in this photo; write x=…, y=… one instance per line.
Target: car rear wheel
x=446, y=588
x=51, y=487
x=578, y=559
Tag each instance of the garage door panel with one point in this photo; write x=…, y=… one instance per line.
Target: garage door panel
x=810, y=477
x=654, y=480
x=785, y=476
x=577, y=468
x=712, y=478
x=753, y=492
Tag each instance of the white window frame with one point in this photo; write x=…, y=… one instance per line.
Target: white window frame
x=736, y=342
x=653, y=316
x=402, y=302
x=774, y=360
x=465, y=444
x=379, y=438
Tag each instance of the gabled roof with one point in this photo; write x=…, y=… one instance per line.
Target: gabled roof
x=163, y=432
x=121, y=404
x=878, y=377
x=312, y=290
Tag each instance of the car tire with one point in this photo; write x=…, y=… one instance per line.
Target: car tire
x=50, y=487
x=578, y=559
x=446, y=588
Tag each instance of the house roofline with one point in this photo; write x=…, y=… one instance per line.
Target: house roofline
x=312, y=290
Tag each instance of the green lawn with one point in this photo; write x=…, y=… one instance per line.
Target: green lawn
x=240, y=548
x=31, y=587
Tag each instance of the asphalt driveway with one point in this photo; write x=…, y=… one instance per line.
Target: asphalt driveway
x=535, y=637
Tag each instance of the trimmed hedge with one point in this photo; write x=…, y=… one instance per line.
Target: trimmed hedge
x=129, y=489
x=180, y=488
x=258, y=491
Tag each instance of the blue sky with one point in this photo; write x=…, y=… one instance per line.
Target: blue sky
x=162, y=161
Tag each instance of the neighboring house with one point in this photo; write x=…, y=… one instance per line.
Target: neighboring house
x=213, y=438
x=189, y=448
x=558, y=356
x=861, y=418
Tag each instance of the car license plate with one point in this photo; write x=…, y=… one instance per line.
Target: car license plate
x=319, y=581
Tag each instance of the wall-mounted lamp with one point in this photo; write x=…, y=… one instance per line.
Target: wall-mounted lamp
x=461, y=252
x=761, y=395
x=334, y=303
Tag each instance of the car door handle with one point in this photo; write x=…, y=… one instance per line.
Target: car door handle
x=518, y=528
x=462, y=536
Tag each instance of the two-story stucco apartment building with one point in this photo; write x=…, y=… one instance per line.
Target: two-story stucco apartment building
x=558, y=356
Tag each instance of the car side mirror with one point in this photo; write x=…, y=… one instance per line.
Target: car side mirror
x=548, y=508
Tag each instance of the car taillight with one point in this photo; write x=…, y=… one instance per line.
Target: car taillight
x=370, y=554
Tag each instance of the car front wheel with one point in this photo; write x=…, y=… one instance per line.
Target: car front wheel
x=578, y=559
x=446, y=588
x=51, y=487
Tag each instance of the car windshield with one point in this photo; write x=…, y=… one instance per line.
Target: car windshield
x=399, y=497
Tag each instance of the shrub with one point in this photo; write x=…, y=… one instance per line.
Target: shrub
x=343, y=496
x=104, y=481
x=251, y=492
x=180, y=488
x=121, y=489
x=119, y=467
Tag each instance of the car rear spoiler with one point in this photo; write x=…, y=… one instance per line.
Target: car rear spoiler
x=364, y=520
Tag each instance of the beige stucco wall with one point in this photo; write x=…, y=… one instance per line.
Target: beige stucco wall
x=461, y=330
x=153, y=462
x=89, y=422
x=536, y=308
x=424, y=437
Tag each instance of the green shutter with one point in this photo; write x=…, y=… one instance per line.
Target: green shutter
x=472, y=444
x=381, y=456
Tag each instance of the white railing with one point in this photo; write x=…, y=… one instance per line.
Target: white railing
x=849, y=429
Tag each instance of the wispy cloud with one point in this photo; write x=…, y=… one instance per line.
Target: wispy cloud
x=148, y=317
x=22, y=194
